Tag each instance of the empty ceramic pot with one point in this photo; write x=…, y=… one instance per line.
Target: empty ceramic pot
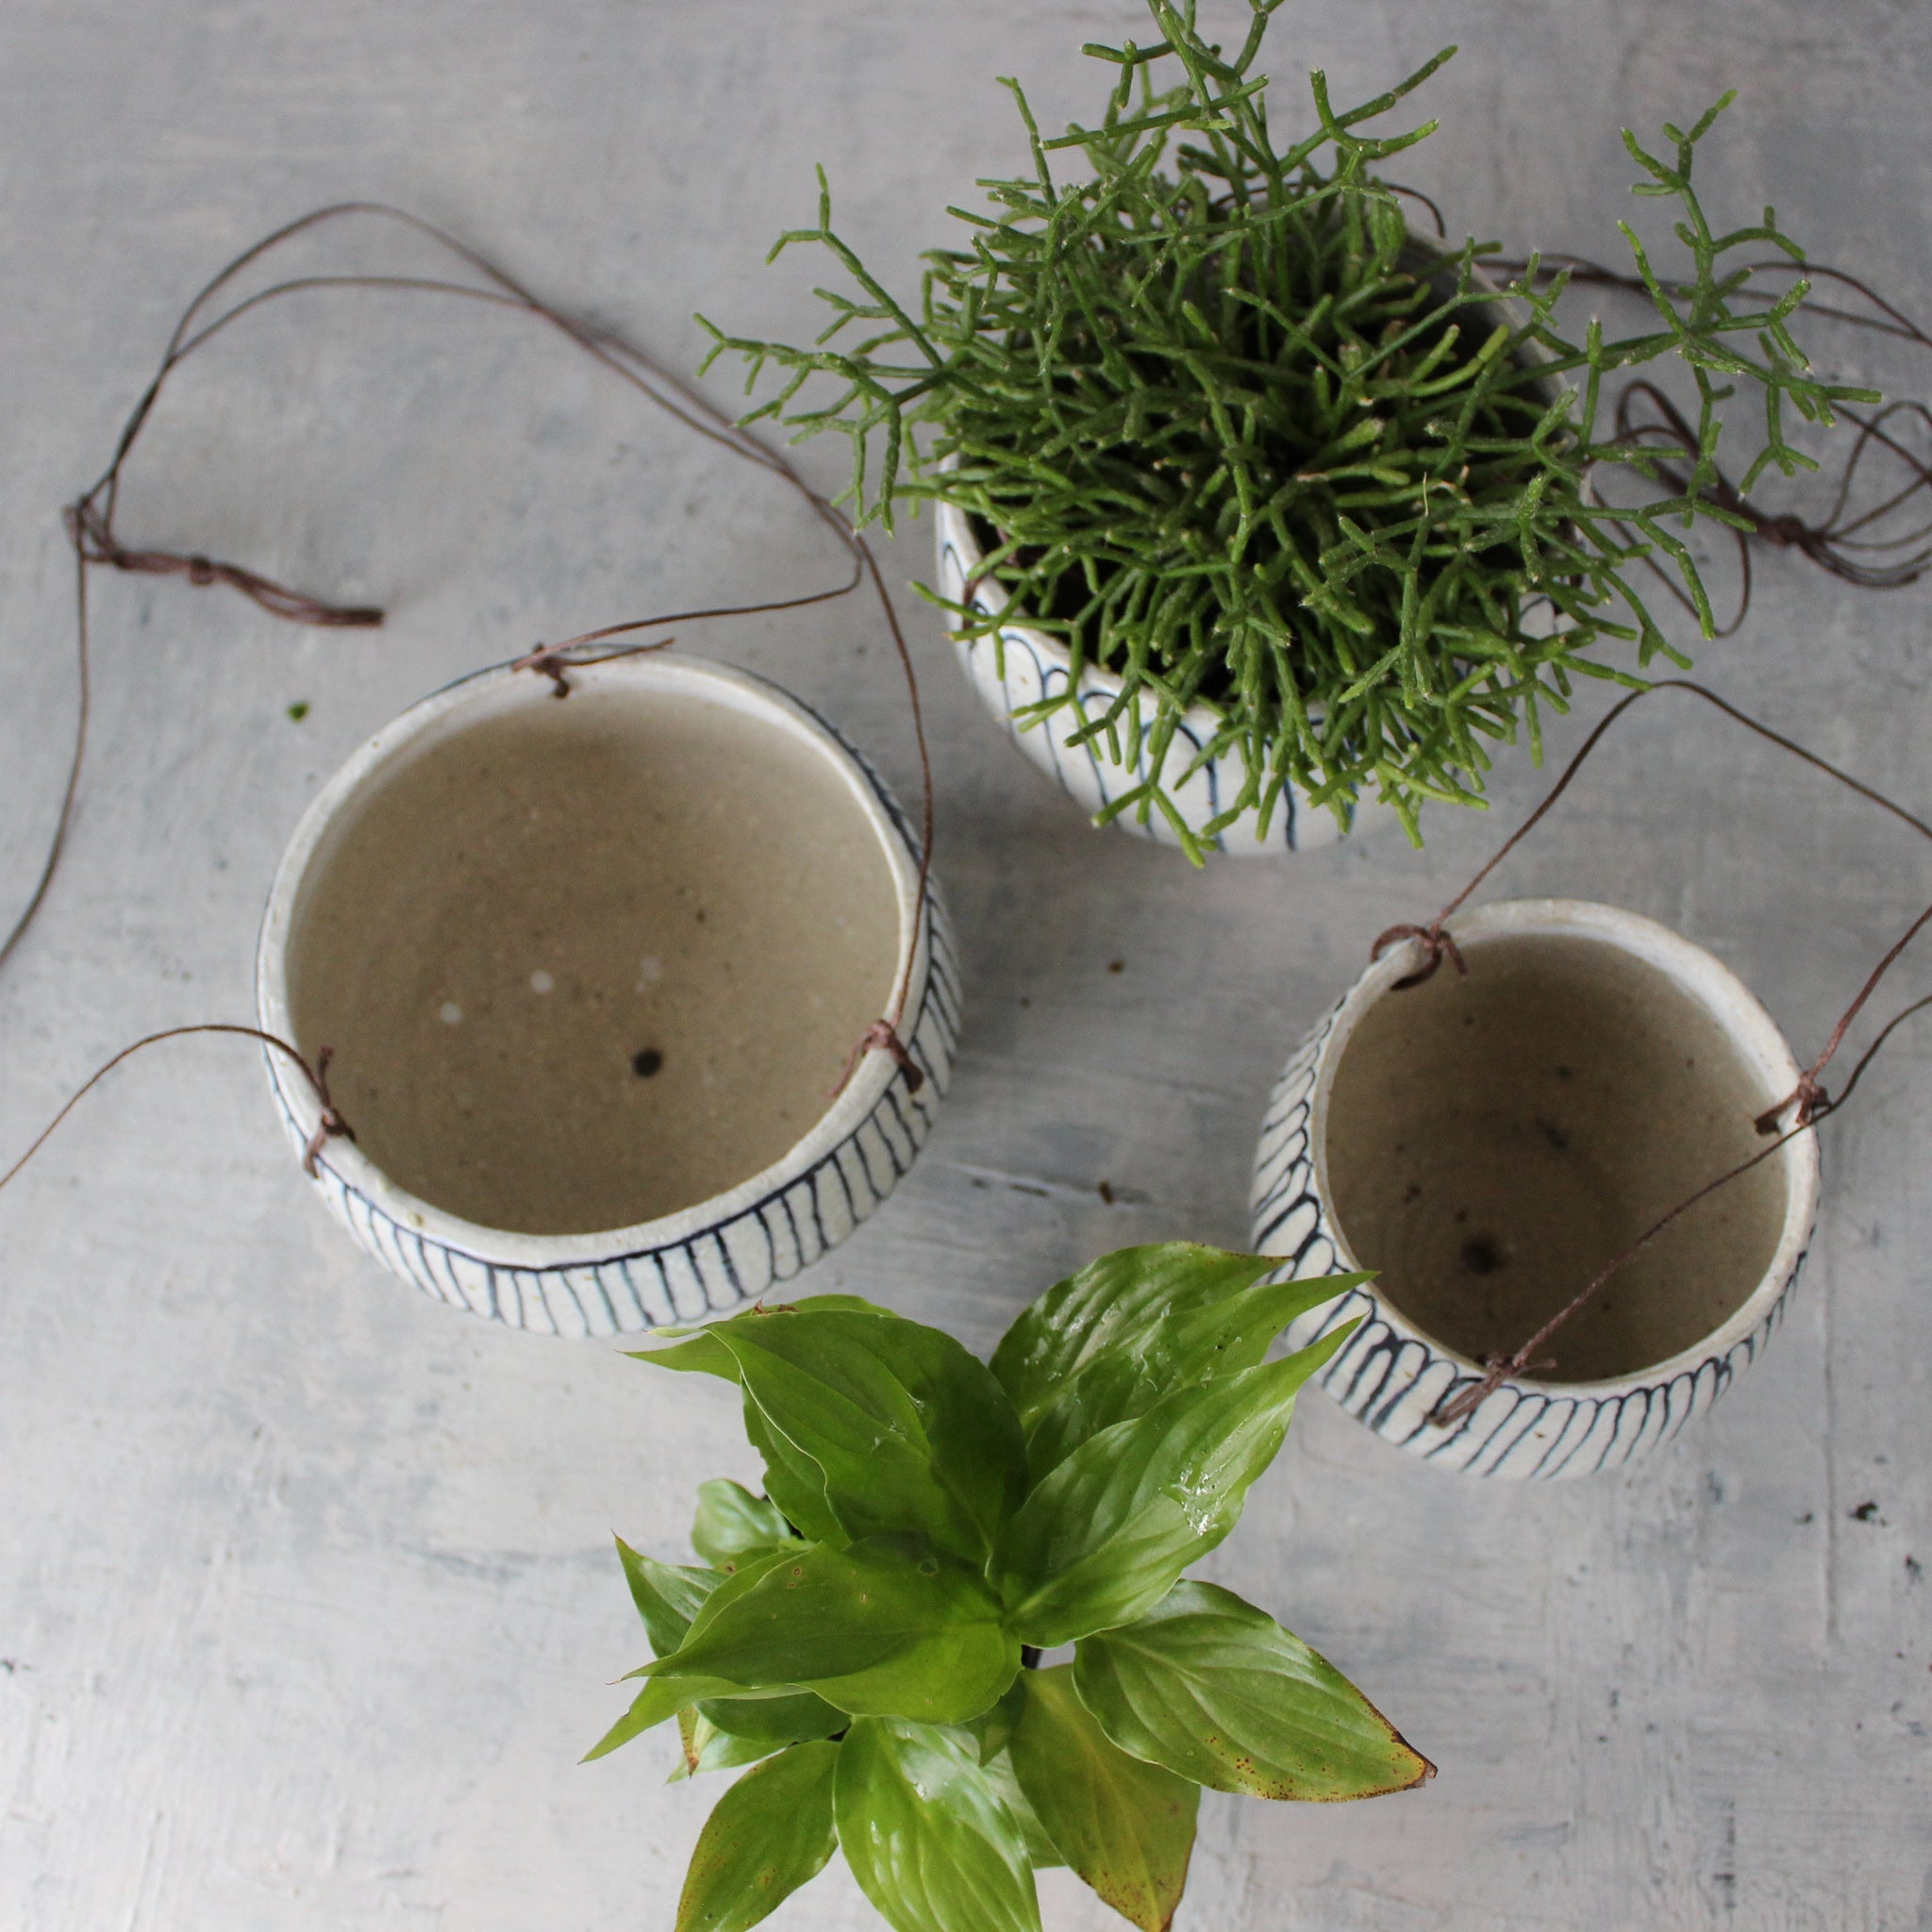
x=1489, y=1144
x=589, y=972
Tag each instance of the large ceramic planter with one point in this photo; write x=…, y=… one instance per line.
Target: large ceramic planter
x=590, y=970
x=1017, y=666
x=1488, y=1144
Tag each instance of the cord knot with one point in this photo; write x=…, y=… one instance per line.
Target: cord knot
x=329, y=1125
x=884, y=1036
x=1435, y=943
x=547, y=661
x=1806, y=1103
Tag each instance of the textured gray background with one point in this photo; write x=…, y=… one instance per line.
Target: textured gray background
x=306, y=1603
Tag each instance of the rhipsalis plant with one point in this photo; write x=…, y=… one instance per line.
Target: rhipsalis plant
x=1235, y=434
x=866, y=1634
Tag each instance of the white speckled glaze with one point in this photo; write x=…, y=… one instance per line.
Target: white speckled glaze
x=702, y=1260
x=1019, y=666
x=1391, y=1375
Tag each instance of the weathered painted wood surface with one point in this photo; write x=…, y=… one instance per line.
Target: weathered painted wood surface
x=307, y=1604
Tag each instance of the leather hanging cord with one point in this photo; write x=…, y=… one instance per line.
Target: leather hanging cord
x=1807, y=1103
x=89, y=522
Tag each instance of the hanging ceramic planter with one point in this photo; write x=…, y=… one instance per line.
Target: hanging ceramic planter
x=1018, y=666
x=1488, y=1143
x=589, y=972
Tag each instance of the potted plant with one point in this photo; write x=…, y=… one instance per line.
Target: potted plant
x=868, y=1635
x=1279, y=504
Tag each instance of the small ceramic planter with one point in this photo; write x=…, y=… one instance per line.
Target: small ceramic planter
x=1019, y=666
x=589, y=971
x=1486, y=1145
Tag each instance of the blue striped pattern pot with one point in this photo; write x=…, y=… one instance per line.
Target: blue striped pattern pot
x=1396, y=1371
x=705, y=1259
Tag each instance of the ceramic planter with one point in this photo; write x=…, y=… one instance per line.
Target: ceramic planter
x=590, y=970
x=1019, y=666
x=1488, y=1144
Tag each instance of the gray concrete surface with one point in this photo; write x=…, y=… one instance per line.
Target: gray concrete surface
x=306, y=1603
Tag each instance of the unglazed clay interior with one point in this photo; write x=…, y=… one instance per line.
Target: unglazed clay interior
x=1491, y=1142
x=585, y=964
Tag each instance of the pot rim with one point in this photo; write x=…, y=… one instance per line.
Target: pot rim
x=954, y=526
x=1746, y=1024
x=488, y=691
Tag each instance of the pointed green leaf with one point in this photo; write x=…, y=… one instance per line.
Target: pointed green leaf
x=1041, y=1850
x=770, y=1833
x=1108, y=1304
x=1126, y=1827
x=904, y=1428
x=668, y=1595
x=1218, y=1692
x=659, y=1699
x=1108, y=1532
x=1191, y=1343
x=794, y=1480
x=774, y=1721
x=992, y=1730
x=888, y=1626
x=690, y=1353
x=925, y=1833
x=731, y=1523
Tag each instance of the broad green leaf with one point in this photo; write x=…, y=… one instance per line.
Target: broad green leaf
x=888, y=1627
x=794, y=1480
x=1105, y=1307
x=1125, y=1825
x=1041, y=1850
x=707, y=1748
x=668, y=1595
x=732, y=1522
x=662, y=1699
x=1189, y=1345
x=924, y=1828
x=770, y=1833
x=1106, y=1535
x=905, y=1429
x=994, y=1728
x=774, y=1720
x=726, y=1590
x=1218, y=1692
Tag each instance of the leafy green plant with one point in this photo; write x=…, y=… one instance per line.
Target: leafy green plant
x=1234, y=433
x=867, y=1635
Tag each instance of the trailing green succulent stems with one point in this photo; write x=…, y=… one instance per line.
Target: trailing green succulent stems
x=1232, y=431
x=866, y=1635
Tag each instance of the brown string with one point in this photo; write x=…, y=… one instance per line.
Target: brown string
x=88, y=530
x=882, y=1035
x=1434, y=938
x=1838, y=543
x=329, y=1123
x=1808, y=1102
x=91, y=519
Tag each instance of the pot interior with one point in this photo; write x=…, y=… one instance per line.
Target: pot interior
x=1491, y=1142
x=586, y=963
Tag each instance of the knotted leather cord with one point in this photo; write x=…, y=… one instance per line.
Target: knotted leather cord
x=1807, y=1103
x=89, y=525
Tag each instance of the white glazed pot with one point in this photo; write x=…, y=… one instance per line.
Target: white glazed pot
x=589, y=972
x=1018, y=666
x=1488, y=1144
